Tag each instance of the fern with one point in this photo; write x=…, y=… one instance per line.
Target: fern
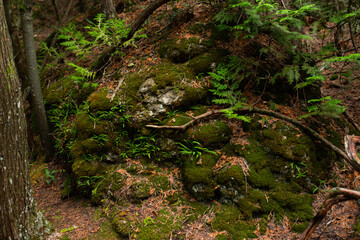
x=326, y=107
x=75, y=41
x=82, y=71
x=227, y=91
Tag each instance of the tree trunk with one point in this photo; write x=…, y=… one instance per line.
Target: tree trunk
x=19, y=56
x=33, y=75
x=19, y=216
x=108, y=8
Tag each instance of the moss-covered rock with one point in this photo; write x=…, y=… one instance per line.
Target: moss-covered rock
x=183, y=50
x=213, y=134
x=159, y=89
x=121, y=222
x=85, y=127
x=67, y=89
x=85, y=168
x=99, y=101
x=207, y=62
x=199, y=182
x=230, y=219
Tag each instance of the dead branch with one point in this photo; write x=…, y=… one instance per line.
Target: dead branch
x=350, y=147
x=336, y=196
x=192, y=121
x=312, y=133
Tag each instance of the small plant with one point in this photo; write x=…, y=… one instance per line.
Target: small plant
x=148, y=221
x=326, y=107
x=299, y=172
x=321, y=184
x=100, y=139
x=142, y=146
x=50, y=176
x=193, y=149
x=68, y=229
x=228, y=92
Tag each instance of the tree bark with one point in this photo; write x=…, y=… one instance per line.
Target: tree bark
x=108, y=8
x=19, y=216
x=33, y=75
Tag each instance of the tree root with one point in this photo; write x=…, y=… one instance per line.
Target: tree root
x=312, y=133
x=337, y=195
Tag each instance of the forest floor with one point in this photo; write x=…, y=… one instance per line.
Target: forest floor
x=78, y=219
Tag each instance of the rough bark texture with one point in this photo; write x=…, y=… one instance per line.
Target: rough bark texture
x=108, y=8
x=19, y=216
x=33, y=75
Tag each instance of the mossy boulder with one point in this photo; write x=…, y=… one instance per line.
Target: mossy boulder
x=110, y=186
x=199, y=182
x=87, y=168
x=67, y=89
x=230, y=219
x=121, y=222
x=212, y=135
x=100, y=101
x=208, y=62
x=183, y=50
x=161, y=88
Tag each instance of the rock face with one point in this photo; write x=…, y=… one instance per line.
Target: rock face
x=113, y=156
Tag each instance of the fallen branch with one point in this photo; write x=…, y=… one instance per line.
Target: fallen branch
x=336, y=196
x=314, y=134
x=186, y=125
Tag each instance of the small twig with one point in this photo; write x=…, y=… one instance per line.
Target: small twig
x=117, y=89
x=184, y=126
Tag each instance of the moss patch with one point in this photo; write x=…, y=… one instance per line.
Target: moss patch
x=99, y=101
x=203, y=63
x=230, y=219
x=215, y=134
x=182, y=51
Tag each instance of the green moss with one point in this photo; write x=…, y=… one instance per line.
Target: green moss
x=109, y=187
x=263, y=178
x=182, y=51
x=99, y=101
x=356, y=227
x=58, y=91
x=159, y=227
x=140, y=191
x=159, y=182
x=285, y=141
x=168, y=74
x=230, y=219
x=68, y=187
x=204, y=62
x=198, y=181
x=106, y=231
x=121, y=222
x=298, y=208
x=85, y=127
x=215, y=134
x=191, y=97
x=83, y=168
x=233, y=174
